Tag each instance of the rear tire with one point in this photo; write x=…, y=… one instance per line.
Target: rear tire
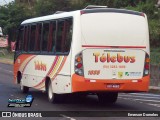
x=52, y=97
x=107, y=98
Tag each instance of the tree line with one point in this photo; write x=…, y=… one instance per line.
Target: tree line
x=12, y=14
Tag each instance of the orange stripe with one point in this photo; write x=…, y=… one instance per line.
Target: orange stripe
x=53, y=65
x=59, y=69
x=27, y=64
x=41, y=87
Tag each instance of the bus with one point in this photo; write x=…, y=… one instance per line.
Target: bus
x=100, y=51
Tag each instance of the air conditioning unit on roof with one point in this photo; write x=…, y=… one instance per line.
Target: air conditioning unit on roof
x=94, y=7
x=1, y=33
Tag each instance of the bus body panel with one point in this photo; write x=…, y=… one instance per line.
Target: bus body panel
x=81, y=84
x=113, y=63
x=35, y=69
x=113, y=34
x=114, y=29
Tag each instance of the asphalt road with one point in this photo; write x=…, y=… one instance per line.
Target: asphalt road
x=126, y=102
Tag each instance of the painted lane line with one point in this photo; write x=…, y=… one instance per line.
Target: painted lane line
x=142, y=101
x=156, y=105
x=147, y=94
x=67, y=117
x=157, y=101
x=140, y=96
x=152, y=95
x=6, y=70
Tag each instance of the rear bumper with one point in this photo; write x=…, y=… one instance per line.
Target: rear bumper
x=80, y=84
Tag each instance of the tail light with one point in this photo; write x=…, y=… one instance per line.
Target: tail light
x=146, y=65
x=79, y=64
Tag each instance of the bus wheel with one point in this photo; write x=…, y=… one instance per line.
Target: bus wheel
x=24, y=89
x=52, y=97
x=106, y=98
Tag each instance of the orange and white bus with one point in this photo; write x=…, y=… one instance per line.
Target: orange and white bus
x=102, y=51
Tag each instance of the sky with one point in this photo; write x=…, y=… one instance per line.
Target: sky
x=3, y=2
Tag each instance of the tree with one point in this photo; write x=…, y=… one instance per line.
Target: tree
x=46, y=7
x=11, y=16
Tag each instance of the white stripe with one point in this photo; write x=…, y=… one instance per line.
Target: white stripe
x=67, y=117
x=6, y=70
x=147, y=100
x=144, y=94
x=156, y=105
x=140, y=96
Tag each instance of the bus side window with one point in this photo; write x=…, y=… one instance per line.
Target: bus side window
x=19, y=44
x=38, y=36
x=25, y=45
x=32, y=37
x=64, y=35
x=45, y=36
x=52, y=36
x=60, y=38
x=68, y=34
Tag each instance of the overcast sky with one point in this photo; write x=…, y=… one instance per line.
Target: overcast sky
x=2, y=2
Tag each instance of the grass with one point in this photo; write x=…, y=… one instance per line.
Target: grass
x=8, y=55
x=155, y=56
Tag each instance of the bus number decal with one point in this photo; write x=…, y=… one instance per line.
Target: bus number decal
x=93, y=72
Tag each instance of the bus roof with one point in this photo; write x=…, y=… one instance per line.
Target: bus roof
x=83, y=11
x=49, y=17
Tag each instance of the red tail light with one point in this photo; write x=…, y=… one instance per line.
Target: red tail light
x=78, y=64
x=146, y=65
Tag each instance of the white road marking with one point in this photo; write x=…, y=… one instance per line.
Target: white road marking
x=6, y=70
x=142, y=100
x=156, y=105
x=144, y=94
x=67, y=117
x=140, y=96
x=149, y=99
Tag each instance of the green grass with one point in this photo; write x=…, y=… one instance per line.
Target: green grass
x=7, y=56
x=155, y=50
x=155, y=56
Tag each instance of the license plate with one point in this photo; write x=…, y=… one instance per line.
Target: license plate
x=113, y=86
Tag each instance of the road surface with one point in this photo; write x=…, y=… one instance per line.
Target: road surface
x=126, y=101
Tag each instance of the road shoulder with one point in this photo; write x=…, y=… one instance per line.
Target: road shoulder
x=6, y=61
